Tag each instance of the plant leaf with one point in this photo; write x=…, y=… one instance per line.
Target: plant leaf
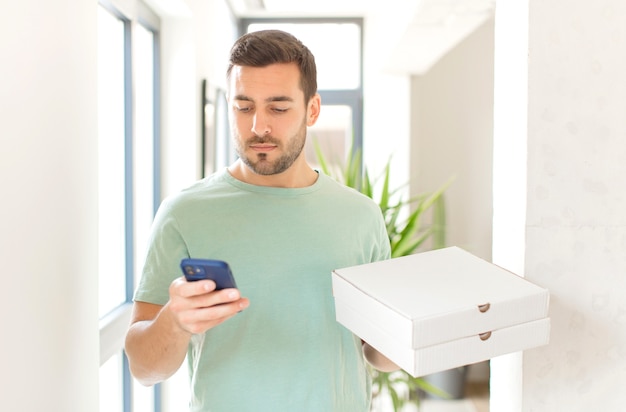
x=320, y=158
x=439, y=223
x=384, y=196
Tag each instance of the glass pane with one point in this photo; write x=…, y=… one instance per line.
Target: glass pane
x=111, y=171
x=111, y=397
x=143, y=153
x=333, y=134
x=337, y=52
x=225, y=152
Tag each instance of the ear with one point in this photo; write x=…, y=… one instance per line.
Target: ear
x=313, y=110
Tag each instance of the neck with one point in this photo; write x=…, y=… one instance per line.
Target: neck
x=300, y=174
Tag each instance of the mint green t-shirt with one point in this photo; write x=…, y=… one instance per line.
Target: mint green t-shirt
x=285, y=352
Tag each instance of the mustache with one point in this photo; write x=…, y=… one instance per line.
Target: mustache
x=262, y=140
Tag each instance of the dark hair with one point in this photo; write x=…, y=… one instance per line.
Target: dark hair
x=262, y=48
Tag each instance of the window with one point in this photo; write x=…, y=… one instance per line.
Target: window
x=338, y=55
x=128, y=186
x=111, y=162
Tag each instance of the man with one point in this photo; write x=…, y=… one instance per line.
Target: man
x=283, y=228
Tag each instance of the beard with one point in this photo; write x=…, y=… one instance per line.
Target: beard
x=261, y=165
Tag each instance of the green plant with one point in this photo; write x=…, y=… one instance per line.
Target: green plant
x=406, y=235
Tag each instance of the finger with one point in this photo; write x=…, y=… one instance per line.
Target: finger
x=182, y=287
x=222, y=311
x=219, y=297
x=201, y=320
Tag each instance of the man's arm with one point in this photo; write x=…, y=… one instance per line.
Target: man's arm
x=158, y=337
x=378, y=360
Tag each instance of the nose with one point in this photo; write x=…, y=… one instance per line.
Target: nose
x=260, y=124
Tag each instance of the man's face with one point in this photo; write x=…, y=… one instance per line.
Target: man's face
x=268, y=116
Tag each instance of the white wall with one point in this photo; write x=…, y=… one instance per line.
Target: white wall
x=386, y=93
x=575, y=225
x=576, y=219
x=509, y=175
x=451, y=137
x=48, y=209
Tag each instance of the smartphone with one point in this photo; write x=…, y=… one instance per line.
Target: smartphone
x=216, y=270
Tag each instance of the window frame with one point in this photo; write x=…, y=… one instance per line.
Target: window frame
x=114, y=324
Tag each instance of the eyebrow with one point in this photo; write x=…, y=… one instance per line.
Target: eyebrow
x=268, y=100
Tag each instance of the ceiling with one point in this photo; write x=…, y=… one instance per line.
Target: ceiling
x=300, y=7
x=427, y=29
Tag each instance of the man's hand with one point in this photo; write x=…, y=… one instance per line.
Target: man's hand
x=378, y=360
x=198, y=307
x=158, y=337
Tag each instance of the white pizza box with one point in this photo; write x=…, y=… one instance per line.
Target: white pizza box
x=436, y=310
